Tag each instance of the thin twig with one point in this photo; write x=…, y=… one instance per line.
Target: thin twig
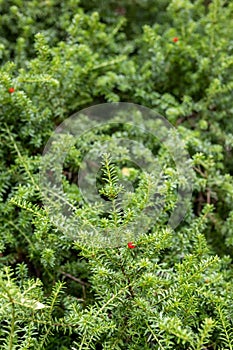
x=200, y=172
x=74, y=278
x=208, y=196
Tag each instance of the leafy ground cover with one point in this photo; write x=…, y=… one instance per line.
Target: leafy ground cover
x=171, y=288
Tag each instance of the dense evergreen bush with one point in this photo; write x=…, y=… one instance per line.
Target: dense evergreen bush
x=170, y=289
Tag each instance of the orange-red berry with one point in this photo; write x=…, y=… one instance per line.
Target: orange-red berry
x=131, y=245
x=11, y=90
x=175, y=39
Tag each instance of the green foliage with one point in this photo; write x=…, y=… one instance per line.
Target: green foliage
x=172, y=289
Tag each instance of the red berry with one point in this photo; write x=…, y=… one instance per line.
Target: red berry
x=11, y=90
x=131, y=245
x=175, y=39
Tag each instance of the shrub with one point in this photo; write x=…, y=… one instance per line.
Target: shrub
x=169, y=288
